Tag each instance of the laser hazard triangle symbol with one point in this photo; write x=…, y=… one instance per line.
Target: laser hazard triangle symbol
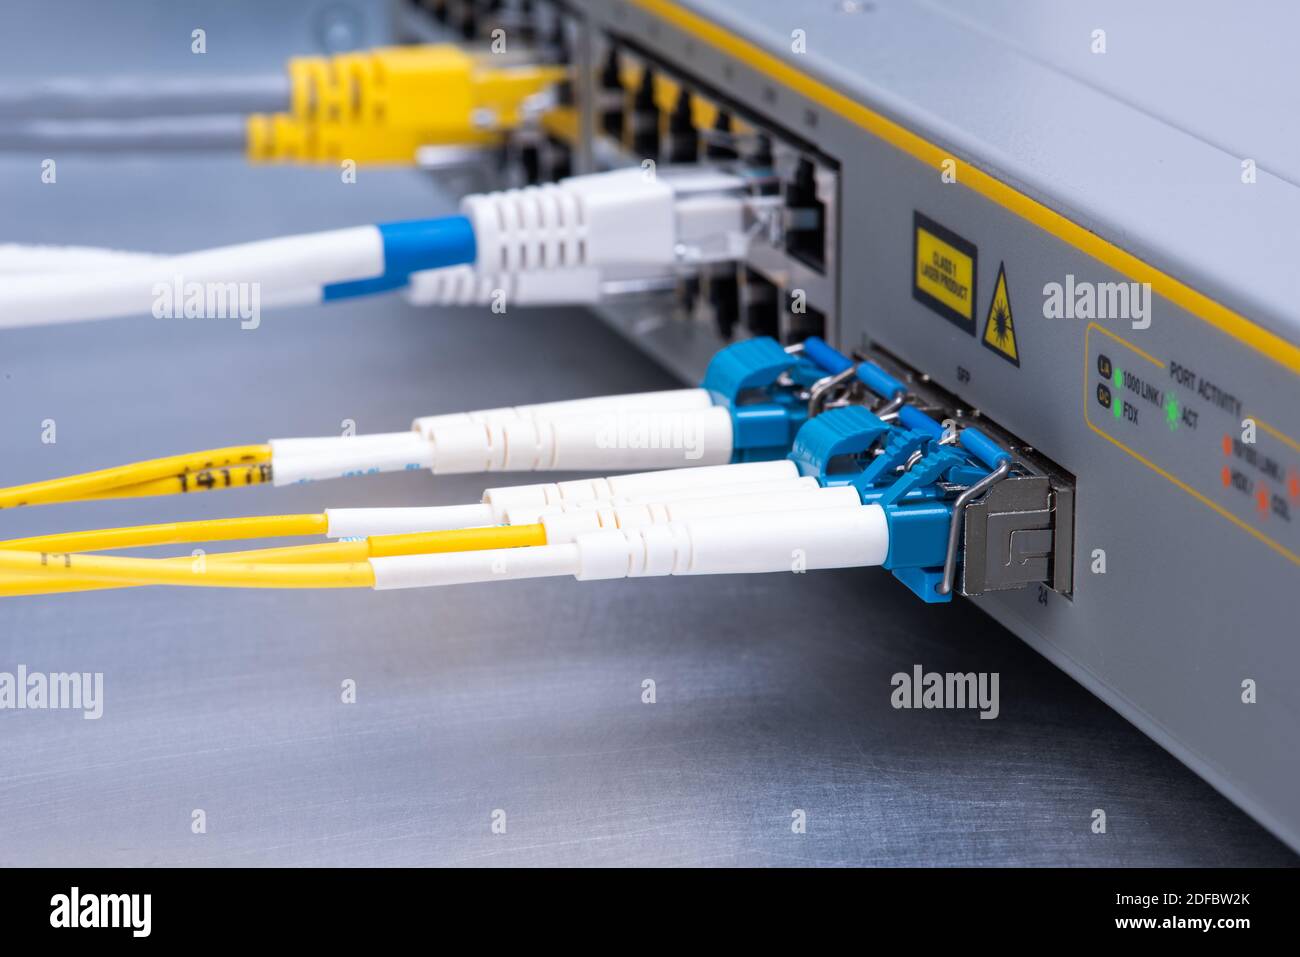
x=999, y=327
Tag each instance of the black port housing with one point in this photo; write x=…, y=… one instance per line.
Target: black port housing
x=559, y=53
x=468, y=24
x=688, y=296
x=611, y=90
x=683, y=138
x=759, y=157
x=641, y=132
x=559, y=157
x=761, y=304
x=436, y=8
x=721, y=146
x=530, y=161
x=805, y=241
x=724, y=298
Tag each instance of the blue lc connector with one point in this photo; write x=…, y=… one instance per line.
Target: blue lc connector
x=766, y=409
x=900, y=468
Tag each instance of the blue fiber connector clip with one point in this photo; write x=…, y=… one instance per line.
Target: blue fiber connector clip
x=898, y=466
x=765, y=416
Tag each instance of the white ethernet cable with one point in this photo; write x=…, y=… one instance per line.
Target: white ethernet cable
x=47, y=260
x=289, y=263
x=751, y=543
x=628, y=218
x=35, y=259
x=516, y=504
x=584, y=285
x=449, y=286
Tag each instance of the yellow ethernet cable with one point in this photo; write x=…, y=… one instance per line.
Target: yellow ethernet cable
x=170, y=470
x=382, y=105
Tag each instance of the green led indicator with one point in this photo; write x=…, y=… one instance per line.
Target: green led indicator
x=1171, y=412
x=1117, y=407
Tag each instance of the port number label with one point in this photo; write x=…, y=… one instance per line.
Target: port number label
x=943, y=272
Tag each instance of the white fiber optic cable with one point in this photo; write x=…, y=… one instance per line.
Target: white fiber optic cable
x=530, y=515
x=498, y=502
x=669, y=400
x=846, y=537
x=568, y=526
x=669, y=429
x=638, y=483
x=564, y=523
x=759, y=496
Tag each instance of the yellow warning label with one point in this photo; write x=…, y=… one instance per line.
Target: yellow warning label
x=999, y=327
x=944, y=272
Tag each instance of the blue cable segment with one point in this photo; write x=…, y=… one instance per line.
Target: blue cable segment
x=879, y=381
x=411, y=246
x=918, y=421
x=362, y=287
x=983, y=448
x=829, y=358
x=833, y=361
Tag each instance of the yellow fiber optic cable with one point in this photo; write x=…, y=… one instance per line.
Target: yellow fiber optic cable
x=14, y=584
x=203, y=480
x=41, y=580
x=88, y=484
x=456, y=540
x=173, y=533
x=189, y=573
